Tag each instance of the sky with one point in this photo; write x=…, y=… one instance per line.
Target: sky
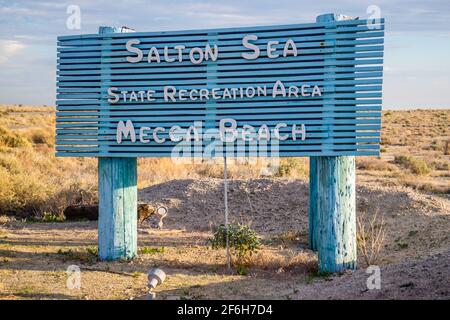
x=417, y=39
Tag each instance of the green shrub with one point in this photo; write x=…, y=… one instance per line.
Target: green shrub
x=241, y=270
x=243, y=241
x=50, y=217
x=92, y=251
x=416, y=166
x=149, y=250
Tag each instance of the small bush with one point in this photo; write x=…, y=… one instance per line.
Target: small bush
x=92, y=251
x=25, y=192
x=373, y=163
x=89, y=255
x=50, y=217
x=292, y=167
x=416, y=166
x=12, y=140
x=11, y=164
x=243, y=241
x=241, y=270
x=370, y=237
x=42, y=136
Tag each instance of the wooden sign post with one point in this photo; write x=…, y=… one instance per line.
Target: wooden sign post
x=332, y=204
x=117, y=196
x=297, y=90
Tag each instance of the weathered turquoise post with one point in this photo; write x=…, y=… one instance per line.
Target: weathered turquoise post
x=336, y=218
x=117, y=193
x=333, y=202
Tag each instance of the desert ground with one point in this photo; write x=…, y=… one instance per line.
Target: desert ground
x=404, y=193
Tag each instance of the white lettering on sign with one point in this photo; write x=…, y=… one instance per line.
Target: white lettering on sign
x=132, y=49
x=125, y=130
x=289, y=48
x=246, y=43
x=172, y=94
x=196, y=55
x=228, y=132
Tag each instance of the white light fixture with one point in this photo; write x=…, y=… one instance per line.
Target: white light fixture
x=155, y=278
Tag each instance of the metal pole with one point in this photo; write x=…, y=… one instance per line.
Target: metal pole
x=226, y=210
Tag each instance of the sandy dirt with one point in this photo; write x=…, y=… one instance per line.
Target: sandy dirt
x=274, y=206
x=423, y=279
x=415, y=260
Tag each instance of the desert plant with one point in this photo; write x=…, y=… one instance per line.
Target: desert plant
x=282, y=260
x=93, y=250
x=292, y=167
x=374, y=163
x=50, y=217
x=243, y=242
x=416, y=166
x=89, y=255
x=370, y=237
x=149, y=250
x=42, y=136
x=12, y=140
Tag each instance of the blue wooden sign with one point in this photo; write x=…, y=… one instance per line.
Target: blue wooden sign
x=302, y=90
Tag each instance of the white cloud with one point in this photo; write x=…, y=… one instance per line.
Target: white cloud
x=9, y=48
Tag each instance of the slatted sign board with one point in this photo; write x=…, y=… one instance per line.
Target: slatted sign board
x=307, y=89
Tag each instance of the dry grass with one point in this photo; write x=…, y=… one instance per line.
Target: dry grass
x=414, y=152
x=370, y=237
x=374, y=164
x=417, y=166
x=283, y=260
x=34, y=181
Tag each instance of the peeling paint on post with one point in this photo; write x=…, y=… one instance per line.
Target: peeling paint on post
x=117, y=222
x=332, y=206
x=117, y=193
x=336, y=218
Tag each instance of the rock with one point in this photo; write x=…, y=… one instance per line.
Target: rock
x=90, y=212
